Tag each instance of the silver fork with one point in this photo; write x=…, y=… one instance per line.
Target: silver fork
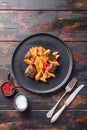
x=68, y=88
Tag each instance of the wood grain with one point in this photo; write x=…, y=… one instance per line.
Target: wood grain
x=69, y=25
x=39, y=102
x=44, y=4
x=64, y=19
x=37, y=120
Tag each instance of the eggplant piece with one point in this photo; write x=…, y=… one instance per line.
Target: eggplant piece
x=52, y=68
x=31, y=71
x=27, y=55
x=51, y=57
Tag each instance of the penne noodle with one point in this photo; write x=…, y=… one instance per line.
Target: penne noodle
x=47, y=52
x=37, y=77
x=57, y=56
x=54, y=62
x=42, y=79
x=50, y=75
x=40, y=50
x=27, y=61
x=27, y=69
x=35, y=51
x=32, y=50
x=55, y=53
x=44, y=75
x=45, y=58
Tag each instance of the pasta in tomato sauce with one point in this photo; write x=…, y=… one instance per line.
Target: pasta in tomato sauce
x=41, y=63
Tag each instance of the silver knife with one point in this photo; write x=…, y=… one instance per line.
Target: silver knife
x=67, y=102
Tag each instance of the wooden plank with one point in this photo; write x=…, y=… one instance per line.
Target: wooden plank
x=65, y=5
x=21, y=4
x=67, y=25
x=8, y=25
x=8, y=4
x=32, y=120
x=44, y=4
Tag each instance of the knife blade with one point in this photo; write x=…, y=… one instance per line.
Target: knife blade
x=67, y=102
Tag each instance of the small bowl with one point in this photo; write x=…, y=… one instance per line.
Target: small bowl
x=20, y=102
x=9, y=93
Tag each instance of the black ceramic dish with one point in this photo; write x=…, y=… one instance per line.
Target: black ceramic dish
x=62, y=72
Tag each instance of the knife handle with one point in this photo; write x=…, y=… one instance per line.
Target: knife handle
x=56, y=116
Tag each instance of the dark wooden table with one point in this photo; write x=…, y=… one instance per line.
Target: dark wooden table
x=66, y=19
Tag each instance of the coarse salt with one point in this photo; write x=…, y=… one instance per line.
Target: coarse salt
x=21, y=102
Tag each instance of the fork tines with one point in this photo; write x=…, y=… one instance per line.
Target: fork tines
x=72, y=82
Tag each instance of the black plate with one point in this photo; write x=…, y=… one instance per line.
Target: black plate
x=49, y=42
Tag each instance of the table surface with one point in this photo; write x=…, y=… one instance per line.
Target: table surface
x=64, y=19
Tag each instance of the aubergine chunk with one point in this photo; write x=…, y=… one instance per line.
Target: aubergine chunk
x=51, y=57
x=52, y=68
x=27, y=55
x=31, y=72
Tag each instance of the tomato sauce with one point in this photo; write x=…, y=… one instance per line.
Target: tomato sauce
x=8, y=88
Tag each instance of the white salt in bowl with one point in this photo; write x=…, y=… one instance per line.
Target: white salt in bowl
x=20, y=102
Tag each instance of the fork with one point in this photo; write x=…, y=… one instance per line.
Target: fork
x=68, y=88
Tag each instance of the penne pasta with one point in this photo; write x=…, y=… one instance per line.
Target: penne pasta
x=27, y=61
x=54, y=62
x=50, y=75
x=55, y=53
x=41, y=63
x=42, y=79
x=57, y=56
x=47, y=52
x=37, y=77
x=26, y=71
x=35, y=51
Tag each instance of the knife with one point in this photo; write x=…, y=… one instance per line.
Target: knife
x=67, y=102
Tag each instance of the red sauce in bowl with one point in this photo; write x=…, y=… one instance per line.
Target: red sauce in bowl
x=7, y=88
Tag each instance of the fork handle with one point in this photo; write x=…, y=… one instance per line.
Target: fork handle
x=50, y=112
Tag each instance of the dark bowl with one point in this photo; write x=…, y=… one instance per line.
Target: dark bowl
x=14, y=102
x=12, y=91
